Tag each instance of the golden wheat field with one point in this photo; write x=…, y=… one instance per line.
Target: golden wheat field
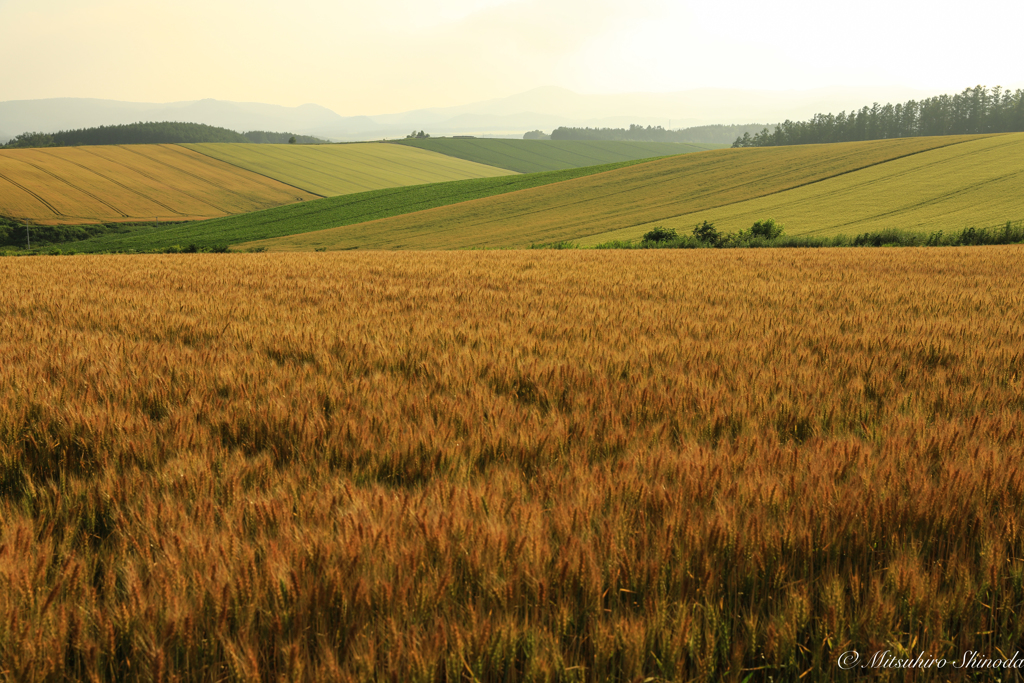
x=509, y=466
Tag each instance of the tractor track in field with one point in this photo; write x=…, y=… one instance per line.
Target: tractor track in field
x=158, y=180
x=116, y=182
x=38, y=198
x=780, y=190
x=75, y=187
x=200, y=178
x=207, y=159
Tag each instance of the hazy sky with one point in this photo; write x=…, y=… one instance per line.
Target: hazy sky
x=395, y=55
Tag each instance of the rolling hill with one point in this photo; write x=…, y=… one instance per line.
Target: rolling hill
x=81, y=185
x=532, y=156
x=312, y=215
x=979, y=183
x=653, y=192
x=331, y=170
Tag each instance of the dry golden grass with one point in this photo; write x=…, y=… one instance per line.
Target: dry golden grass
x=73, y=185
x=509, y=466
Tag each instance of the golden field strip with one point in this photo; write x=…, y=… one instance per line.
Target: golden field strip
x=978, y=183
x=509, y=466
x=624, y=203
x=627, y=197
x=331, y=170
x=76, y=185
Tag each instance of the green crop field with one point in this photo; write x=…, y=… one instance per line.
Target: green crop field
x=322, y=213
x=979, y=183
x=637, y=195
x=531, y=156
x=330, y=170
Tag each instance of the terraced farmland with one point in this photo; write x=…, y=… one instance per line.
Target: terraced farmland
x=636, y=195
x=330, y=170
x=979, y=183
x=74, y=185
x=532, y=156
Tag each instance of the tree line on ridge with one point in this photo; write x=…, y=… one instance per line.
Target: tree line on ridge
x=975, y=110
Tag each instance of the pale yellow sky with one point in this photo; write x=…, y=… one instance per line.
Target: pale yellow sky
x=397, y=55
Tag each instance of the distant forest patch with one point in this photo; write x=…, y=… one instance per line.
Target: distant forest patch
x=716, y=134
x=977, y=110
x=165, y=132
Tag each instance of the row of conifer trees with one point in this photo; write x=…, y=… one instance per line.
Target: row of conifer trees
x=975, y=110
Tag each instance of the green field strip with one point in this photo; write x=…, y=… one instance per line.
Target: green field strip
x=279, y=166
x=977, y=183
x=331, y=170
x=530, y=156
x=324, y=213
x=623, y=198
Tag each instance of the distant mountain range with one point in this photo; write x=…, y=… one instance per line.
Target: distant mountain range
x=539, y=109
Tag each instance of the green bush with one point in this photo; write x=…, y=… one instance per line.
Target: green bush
x=660, y=234
x=767, y=229
x=707, y=233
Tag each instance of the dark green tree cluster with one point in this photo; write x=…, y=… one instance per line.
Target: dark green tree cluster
x=419, y=134
x=975, y=110
x=536, y=135
x=165, y=132
x=718, y=134
x=763, y=233
x=769, y=233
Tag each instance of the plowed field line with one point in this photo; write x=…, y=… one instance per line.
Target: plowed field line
x=262, y=175
x=42, y=201
x=158, y=180
x=794, y=187
x=116, y=182
x=938, y=199
x=73, y=186
x=200, y=178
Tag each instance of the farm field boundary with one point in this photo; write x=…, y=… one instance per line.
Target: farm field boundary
x=331, y=170
x=977, y=183
x=313, y=215
x=635, y=195
x=532, y=156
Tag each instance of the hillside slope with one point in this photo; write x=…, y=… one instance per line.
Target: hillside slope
x=331, y=170
x=75, y=185
x=313, y=215
x=532, y=156
x=979, y=183
x=637, y=195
